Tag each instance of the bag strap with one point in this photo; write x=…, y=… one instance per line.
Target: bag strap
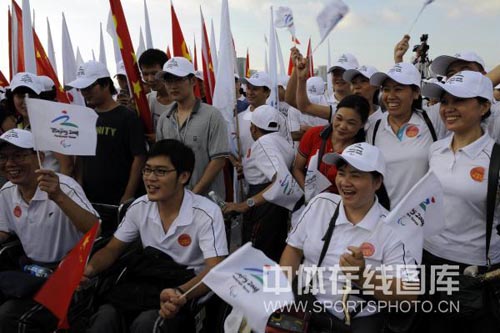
x=375, y=129
x=324, y=135
x=429, y=125
x=491, y=195
x=328, y=235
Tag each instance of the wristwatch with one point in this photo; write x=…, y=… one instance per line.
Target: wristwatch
x=250, y=202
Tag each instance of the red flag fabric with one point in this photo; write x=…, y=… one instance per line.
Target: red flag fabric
x=57, y=292
x=43, y=65
x=290, y=65
x=295, y=40
x=310, y=56
x=247, y=66
x=169, y=55
x=207, y=63
x=178, y=41
x=19, y=51
x=131, y=67
x=195, y=56
x=3, y=80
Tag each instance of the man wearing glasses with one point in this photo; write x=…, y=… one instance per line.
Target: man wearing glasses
x=187, y=227
x=196, y=124
x=49, y=213
x=113, y=175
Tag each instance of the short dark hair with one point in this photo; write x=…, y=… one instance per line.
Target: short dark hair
x=106, y=81
x=181, y=156
x=362, y=108
x=152, y=57
x=482, y=100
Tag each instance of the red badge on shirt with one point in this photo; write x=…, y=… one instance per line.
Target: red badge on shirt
x=412, y=131
x=18, y=212
x=184, y=240
x=477, y=174
x=249, y=152
x=368, y=249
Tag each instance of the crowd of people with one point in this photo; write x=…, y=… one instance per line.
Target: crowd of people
x=355, y=152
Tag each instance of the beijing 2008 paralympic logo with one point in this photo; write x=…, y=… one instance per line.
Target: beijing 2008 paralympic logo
x=65, y=130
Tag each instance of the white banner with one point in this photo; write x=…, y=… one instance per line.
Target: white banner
x=419, y=214
x=64, y=128
x=315, y=182
x=329, y=17
x=252, y=283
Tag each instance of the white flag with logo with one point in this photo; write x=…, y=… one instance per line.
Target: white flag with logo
x=64, y=128
x=252, y=283
x=284, y=191
x=315, y=182
x=419, y=214
x=329, y=17
x=284, y=19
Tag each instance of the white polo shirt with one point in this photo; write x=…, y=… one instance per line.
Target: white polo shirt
x=492, y=123
x=406, y=153
x=382, y=245
x=45, y=232
x=464, y=176
x=372, y=119
x=196, y=234
x=264, y=158
x=246, y=139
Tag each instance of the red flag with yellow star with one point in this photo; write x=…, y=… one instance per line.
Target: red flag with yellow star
x=247, y=66
x=57, y=292
x=178, y=41
x=206, y=61
x=131, y=66
x=310, y=56
x=3, y=80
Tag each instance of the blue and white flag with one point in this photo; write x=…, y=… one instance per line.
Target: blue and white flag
x=329, y=17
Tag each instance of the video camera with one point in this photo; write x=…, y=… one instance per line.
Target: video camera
x=422, y=48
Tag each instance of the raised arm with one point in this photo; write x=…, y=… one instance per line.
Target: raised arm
x=303, y=102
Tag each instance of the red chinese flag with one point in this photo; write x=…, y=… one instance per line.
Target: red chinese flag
x=207, y=63
x=57, y=292
x=290, y=65
x=247, y=66
x=19, y=52
x=3, y=80
x=131, y=67
x=295, y=40
x=169, y=55
x=178, y=41
x=310, y=56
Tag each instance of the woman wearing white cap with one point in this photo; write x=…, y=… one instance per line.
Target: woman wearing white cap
x=404, y=133
x=346, y=235
x=461, y=162
x=359, y=79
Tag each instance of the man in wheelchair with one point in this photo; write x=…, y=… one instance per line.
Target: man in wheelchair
x=49, y=213
x=183, y=237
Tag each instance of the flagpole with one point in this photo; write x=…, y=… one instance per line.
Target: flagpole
x=26, y=97
x=416, y=19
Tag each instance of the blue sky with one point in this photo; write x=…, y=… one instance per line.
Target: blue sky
x=369, y=31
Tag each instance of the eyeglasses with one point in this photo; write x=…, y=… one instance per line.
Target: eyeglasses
x=160, y=172
x=16, y=157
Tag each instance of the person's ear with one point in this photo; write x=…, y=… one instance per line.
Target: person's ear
x=184, y=177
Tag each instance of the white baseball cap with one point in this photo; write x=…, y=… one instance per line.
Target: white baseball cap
x=120, y=68
x=403, y=73
x=266, y=117
x=88, y=73
x=440, y=65
x=178, y=66
x=315, y=86
x=345, y=61
x=18, y=137
x=466, y=84
x=362, y=156
x=47, y=82
x=366, y=71
x=28, y=80
x=199, y=75
x=259, y=79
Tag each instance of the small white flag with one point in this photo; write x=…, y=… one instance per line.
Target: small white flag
x=252, y=283
x=284, y=19
x=315, y=182
x=419, y=214
x=329, y=17
x=285, y=191
x=64, y=128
